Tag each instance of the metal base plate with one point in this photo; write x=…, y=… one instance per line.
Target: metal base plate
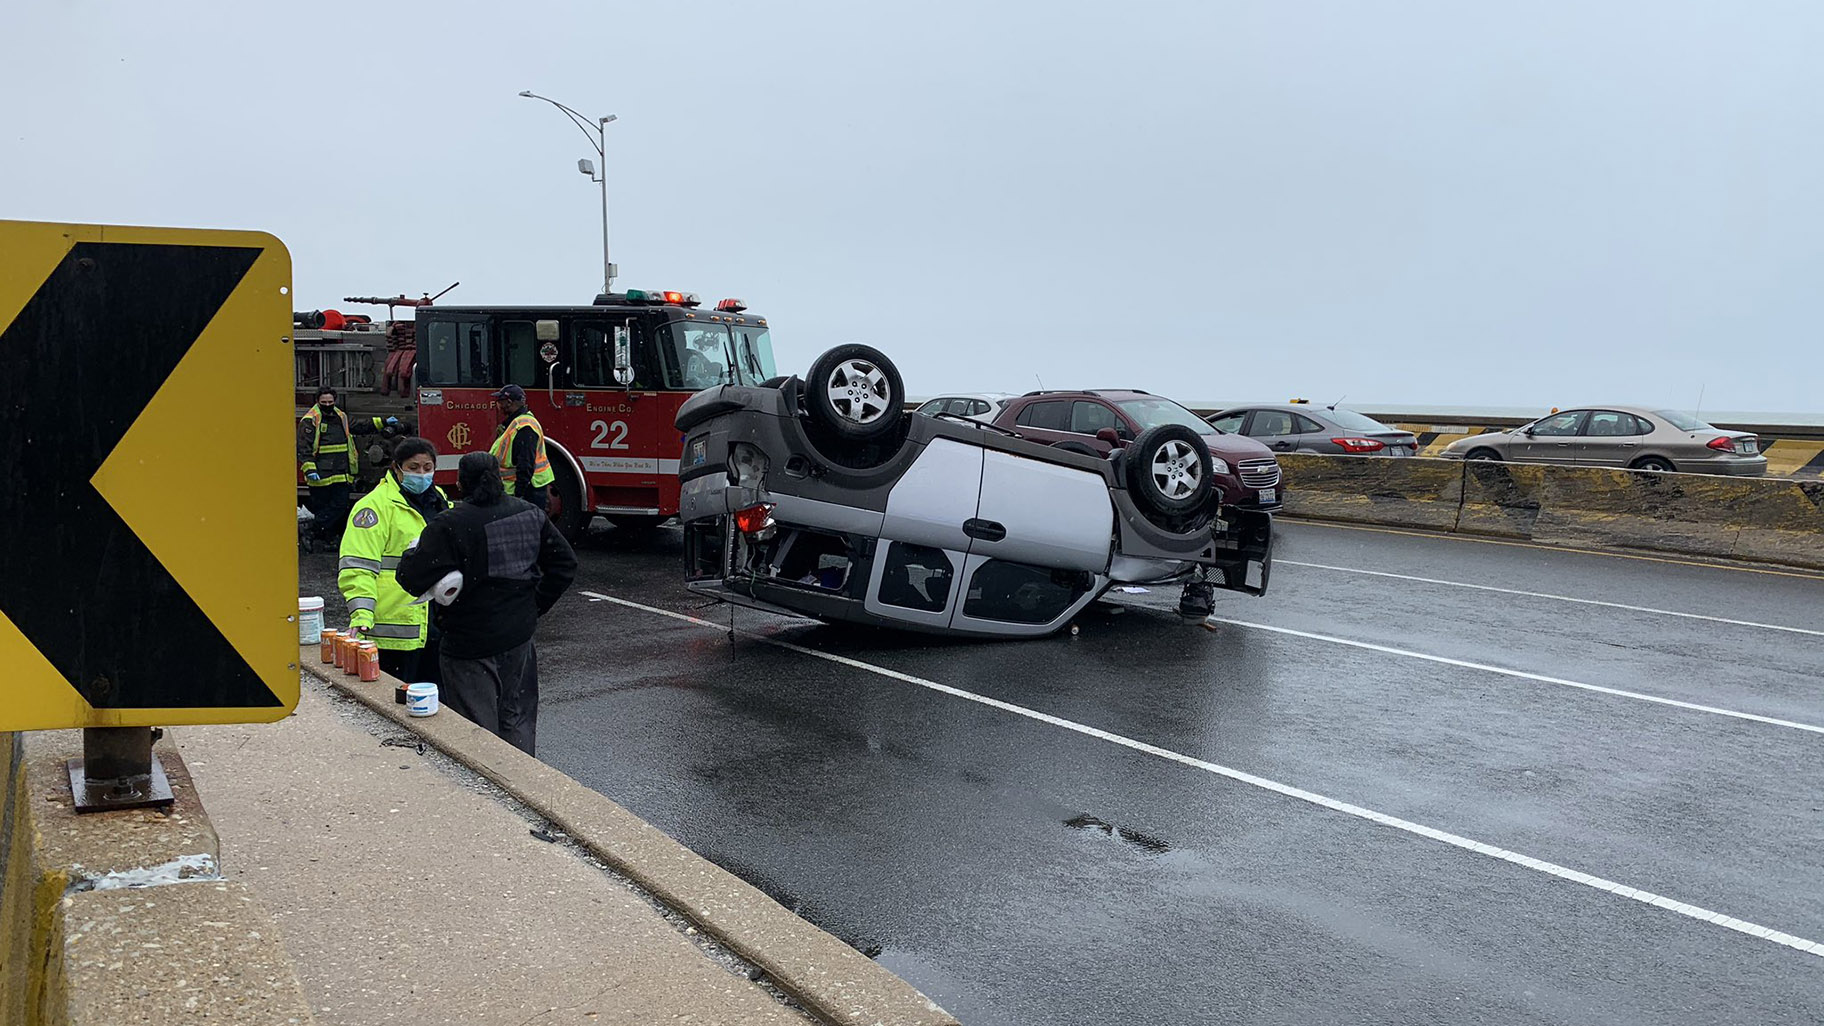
x=154, y=790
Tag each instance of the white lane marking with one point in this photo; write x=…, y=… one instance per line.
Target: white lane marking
x=1547, y=595
x=1702, y=915
x=1522, y=674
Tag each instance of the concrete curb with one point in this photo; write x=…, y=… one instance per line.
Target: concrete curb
x=830, y=979
x=120, y=916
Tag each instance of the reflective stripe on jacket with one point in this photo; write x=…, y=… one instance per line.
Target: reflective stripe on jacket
x=503, y=452
x=380, y=527
x=338, y=461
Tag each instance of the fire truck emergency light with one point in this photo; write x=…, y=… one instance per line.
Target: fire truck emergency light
x=673, y=298
x=731, y=306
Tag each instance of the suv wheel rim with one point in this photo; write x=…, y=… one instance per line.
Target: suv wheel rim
x=1176, y=469
x=858, y=391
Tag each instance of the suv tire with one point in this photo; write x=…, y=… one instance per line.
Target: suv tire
x=1168, y=471
x=854, y=392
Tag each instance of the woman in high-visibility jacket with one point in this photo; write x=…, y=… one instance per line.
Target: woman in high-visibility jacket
x=382, y=525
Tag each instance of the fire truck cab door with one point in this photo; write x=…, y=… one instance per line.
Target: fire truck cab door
x=618, y=432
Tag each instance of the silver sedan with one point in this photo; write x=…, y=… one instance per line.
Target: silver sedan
x=1622, y=437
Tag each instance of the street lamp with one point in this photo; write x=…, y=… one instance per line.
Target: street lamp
x=599, y=140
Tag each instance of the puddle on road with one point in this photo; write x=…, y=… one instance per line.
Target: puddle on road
x=1143, y=841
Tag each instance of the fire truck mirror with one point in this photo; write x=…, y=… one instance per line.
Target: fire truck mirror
x=623, y=356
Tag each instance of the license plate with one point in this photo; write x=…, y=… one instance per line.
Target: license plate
x=699, y=452
x=1401, y=450
x=1747, y=448
x=1269, y=495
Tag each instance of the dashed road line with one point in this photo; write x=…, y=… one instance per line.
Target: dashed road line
x=1689, y=911
x=1522, y=675
x=1548, y=595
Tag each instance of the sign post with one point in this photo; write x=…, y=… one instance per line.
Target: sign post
x=149, y=517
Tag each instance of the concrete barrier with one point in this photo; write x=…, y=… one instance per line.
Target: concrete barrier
x=1685, y=513
x=1784, y=524
x=1501, y=499
x=121, y=916
x=1777, y=520
x=1376, y=490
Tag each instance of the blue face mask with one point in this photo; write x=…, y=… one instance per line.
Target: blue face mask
x=415, y=484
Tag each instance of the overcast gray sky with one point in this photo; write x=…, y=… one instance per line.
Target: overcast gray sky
x=1514, y=204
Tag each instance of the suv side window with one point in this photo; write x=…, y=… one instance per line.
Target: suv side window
x=916, y=577
x=977, y=407
x=1050, y=416
x=1230, y=424
x=1268, y=423
x=1014, y=593
x=1087, y=418
x=931, y=408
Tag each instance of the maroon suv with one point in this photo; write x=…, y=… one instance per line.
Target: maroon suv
x=1244, y=469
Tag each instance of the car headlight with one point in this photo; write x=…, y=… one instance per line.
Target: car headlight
x=747, y=466
x=1218, y=465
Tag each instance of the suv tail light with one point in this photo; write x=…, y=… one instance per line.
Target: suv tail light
x=755, y=521
x=1360, y=444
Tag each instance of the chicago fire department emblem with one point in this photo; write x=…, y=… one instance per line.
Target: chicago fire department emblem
x=459, y=436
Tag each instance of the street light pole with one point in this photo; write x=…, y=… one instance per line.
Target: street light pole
x=599, y=140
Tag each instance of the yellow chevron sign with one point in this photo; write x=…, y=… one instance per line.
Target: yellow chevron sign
x=151, y=567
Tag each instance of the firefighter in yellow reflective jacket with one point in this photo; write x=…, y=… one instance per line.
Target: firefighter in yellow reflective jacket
x=520, y=449
x=330, y=460
x=384, y=523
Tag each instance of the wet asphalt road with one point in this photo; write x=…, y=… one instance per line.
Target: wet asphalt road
x=1023, y=871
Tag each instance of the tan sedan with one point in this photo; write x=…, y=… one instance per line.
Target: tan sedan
x=1620, y=436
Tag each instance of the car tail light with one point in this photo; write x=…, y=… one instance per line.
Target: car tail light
x=755, y=521
x=1360, y=444
x=1727, y=444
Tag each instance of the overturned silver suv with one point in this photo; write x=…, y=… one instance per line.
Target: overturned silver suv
x=820, y=497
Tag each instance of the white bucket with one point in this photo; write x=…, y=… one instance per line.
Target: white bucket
x=310, y=620
x=421, y=699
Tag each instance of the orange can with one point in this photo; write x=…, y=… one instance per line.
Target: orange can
x=351, y=655
x=370, y=661
x=341, y=647
x=329, y=646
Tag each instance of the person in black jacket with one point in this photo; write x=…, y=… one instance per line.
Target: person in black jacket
x=514, y=564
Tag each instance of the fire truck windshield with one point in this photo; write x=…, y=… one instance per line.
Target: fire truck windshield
x=702, y=354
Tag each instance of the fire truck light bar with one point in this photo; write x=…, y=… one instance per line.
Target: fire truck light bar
x=731, y=306
x=673, y=298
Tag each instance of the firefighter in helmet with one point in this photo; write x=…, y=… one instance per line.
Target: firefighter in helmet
x=520, y=449
x=329, y=459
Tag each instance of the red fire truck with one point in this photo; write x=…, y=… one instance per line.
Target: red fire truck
x=604, y=380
